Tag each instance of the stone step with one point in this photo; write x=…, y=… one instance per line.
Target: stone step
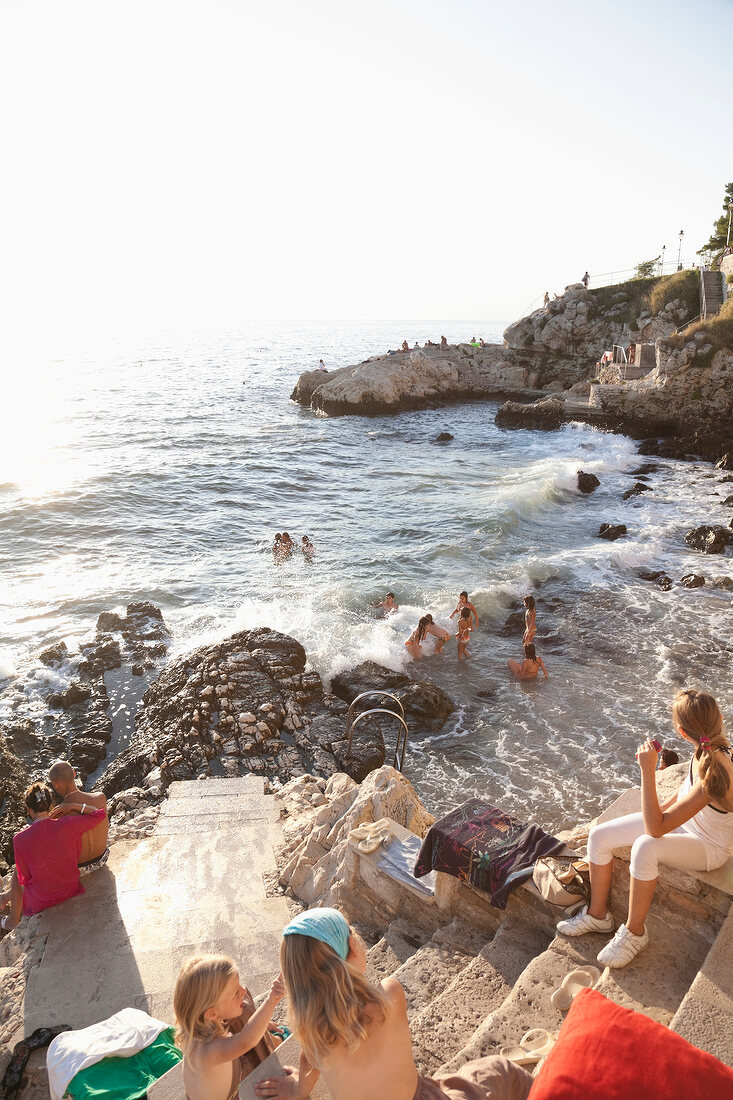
x=441, y=1028
x=436, y=964
x=705, y=1016
x=654, y=984
x=400, y=941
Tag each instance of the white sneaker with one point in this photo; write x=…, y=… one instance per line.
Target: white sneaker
x=624, y=947
x=582, y=923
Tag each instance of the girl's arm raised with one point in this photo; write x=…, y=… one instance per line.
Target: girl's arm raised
x=230, y=1047
x=660, y=820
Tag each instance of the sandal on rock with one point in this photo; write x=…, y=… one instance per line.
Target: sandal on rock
x=583, y=978
x=42, y=1036
x=533, y=1045
x=13, y=1076
x=371, y=834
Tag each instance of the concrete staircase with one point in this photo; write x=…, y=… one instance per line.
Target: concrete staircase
x=711, y=292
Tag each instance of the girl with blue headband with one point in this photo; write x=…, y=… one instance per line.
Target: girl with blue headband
x=356, y=1034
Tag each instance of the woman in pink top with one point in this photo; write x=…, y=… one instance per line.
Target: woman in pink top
x=46, y=857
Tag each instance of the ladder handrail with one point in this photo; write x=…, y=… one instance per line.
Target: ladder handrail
x=398, y=758
x=372, y=691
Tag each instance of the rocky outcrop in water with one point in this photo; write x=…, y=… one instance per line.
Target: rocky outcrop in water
x=424, y=702
x=611, y=531
x=587, y=483
x=710, y=539
x=248, y=704
x=549, y=413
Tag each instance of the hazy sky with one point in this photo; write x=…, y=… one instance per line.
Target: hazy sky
x=201, y=162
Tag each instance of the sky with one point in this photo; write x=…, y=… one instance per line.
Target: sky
x=199, y=163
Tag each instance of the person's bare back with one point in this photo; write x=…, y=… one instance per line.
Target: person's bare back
x=63, y=780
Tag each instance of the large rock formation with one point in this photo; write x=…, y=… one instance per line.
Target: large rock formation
x=248, y=704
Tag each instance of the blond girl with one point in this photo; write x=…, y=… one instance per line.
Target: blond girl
x=222, y=1036
x=356, y=1034
x=692, y=830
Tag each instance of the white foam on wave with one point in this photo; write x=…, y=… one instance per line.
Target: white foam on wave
x=7, y=668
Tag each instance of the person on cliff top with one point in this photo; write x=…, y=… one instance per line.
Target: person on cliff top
x=413, y=645
x=463, y=601
x=438, y=632
x=547, y=298
x=585, y=280
x=530, y=620
x=388, y=605
x=322, y=366
x=356, y=1034
x=46, y=857
x=307, y=548
x=463, y=633
x=222, y=1036
x=94, y=852
x=692, y=830
x=405, y=346
x=443, y=342
x=530, y=666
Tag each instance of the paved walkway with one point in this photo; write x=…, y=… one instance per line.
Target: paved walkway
x=194, y=886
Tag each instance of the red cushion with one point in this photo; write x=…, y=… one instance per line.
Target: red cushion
x=606, y=1052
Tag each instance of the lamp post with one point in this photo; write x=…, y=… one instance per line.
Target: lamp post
x=664, y=249
x=679, y=250
x=730, y=211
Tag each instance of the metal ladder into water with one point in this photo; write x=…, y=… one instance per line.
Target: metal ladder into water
x=352, y=722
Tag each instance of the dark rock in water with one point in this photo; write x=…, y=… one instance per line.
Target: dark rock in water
x=444, y=437
x=15, y=782
x=726, y=462
x=647, y=468
x=54, y=655
x=75, y=693
x=100, y=656
x=423, y=701
x=108, y=622
x=514, y=625
x=693, y=580
x=659, y=577
x=547, y=413
x=611, y=531
x=488, y=692
x=724, y=583
x=137, y=669
x=587, y=483
x=637, y=488
x=728, y=502
x=710, y=539
x=726, y=479
x=706, y=444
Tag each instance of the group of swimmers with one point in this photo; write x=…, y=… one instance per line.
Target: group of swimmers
x=283, y=547
x=355, y=1032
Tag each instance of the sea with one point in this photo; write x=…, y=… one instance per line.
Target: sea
x=160, y=468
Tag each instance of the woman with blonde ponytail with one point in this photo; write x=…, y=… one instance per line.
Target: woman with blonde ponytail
x=693, y=830
x=356, y=1034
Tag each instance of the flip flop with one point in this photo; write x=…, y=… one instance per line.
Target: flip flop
x=582, y=978
x=533, y=1045
x=371, y=829
x=42, y=1036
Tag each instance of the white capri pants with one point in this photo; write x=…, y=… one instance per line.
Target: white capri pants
x=679, y=848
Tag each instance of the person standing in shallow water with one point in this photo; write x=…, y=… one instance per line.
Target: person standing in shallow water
x=463, y=633
x=463, y=601
x=530, y=620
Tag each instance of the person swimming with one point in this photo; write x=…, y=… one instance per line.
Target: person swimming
x=307, y=547
x=530, y=666
x=387, y=606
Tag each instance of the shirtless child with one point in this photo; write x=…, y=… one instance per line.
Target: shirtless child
x=463, y=601
x=387, y=605
x=439, y=633
x=464, y=630
x=530, y=666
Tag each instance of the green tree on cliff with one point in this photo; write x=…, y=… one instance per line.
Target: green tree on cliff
x=646, y=269
x=718, y=236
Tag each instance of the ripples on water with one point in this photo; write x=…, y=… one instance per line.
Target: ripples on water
x=164, y=473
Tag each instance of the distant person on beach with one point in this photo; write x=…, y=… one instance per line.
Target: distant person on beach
x=222, y=1035
x=94, y=852
x=322, y=366
x=463, y=632
x=463, y=601
x=530, y=666
x=585, y=280
x=692, y=830
x=46, y=857
x=530, y=617
x=307, y=547
x=547, y=298
x=387, y=605
x=438, y=632
x=667, y=758
x=413, y=645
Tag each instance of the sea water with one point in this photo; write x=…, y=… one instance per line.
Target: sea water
x=161, y=469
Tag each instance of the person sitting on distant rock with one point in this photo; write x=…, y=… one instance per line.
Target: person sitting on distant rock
x=530, y=666
x=667, y=758
x=413, y=645
x=46, y=857
x=463, y=601
x=356, y=1034
x=692, y=830
x=322, y=366
x=443, y=342
x=94, y=852
x=482, y=342
x=440, y=633
x=405, y=345
x=387, y=605
x=307, y=548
